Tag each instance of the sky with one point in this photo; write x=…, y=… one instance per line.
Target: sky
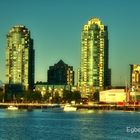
x=56, y=26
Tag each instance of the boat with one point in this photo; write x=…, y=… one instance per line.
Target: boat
x=52, y=108
x=68, y=108
x=12, y=107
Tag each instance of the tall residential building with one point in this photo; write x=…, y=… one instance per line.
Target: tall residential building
x=135, y=76
x=94, y=72
x=20, y=58
x=61, y=74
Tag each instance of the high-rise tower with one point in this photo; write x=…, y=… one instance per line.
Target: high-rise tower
x=94, y=72
x=20, y=57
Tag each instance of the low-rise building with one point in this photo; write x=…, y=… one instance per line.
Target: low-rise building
x=43, y=88
x=135, y=96
x=113, y=96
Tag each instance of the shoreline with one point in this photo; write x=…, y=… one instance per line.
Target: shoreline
x=79, y=107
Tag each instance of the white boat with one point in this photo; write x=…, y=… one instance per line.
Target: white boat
x=12, y=107
x=68, y=107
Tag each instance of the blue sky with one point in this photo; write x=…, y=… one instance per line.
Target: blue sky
x=56, y=26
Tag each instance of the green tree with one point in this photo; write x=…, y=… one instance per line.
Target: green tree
x=1, y=95
x=28, y=97
x=18, y=97
x=56, y=98
x=13, y=92
x=96, y=96
x=37, y=96
x=76, y=96
x=46, y=96
x=67, y=96
x=32, y=96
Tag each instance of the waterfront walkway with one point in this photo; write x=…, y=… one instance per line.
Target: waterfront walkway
x=79, y=106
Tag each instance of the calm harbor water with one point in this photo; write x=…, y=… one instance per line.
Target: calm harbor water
x=98, y=125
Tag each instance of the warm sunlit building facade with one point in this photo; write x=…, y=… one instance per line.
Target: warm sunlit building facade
x=135, y=76
x=20, y=57
x=113, y=96
x=94, y=73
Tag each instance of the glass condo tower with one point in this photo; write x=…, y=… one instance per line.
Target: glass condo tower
x=20, y=57
x=94, y=73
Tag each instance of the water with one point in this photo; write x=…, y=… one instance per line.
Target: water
x=38, y=125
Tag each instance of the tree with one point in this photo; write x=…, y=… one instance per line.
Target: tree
x=1, y=95
x=13, y=92
x=76, y=96
x=67, y=96
x=96, y=95
x=46, y=96
x=28, y=96
x=56, y=98
x=37, y=96
x=33, y=96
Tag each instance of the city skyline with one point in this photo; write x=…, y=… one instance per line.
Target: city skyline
x=56, y=26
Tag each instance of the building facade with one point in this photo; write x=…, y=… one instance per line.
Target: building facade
x=113, y=96
x=46, y=88
x=135, y=76
x=60, y=74
x=20, y=57
x=94, y=73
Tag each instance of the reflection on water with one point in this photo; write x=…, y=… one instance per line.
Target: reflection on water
x=80, y=125
x=4, y=113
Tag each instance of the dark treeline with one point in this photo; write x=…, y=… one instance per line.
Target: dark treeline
x=30, y=96
x=36, y=96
